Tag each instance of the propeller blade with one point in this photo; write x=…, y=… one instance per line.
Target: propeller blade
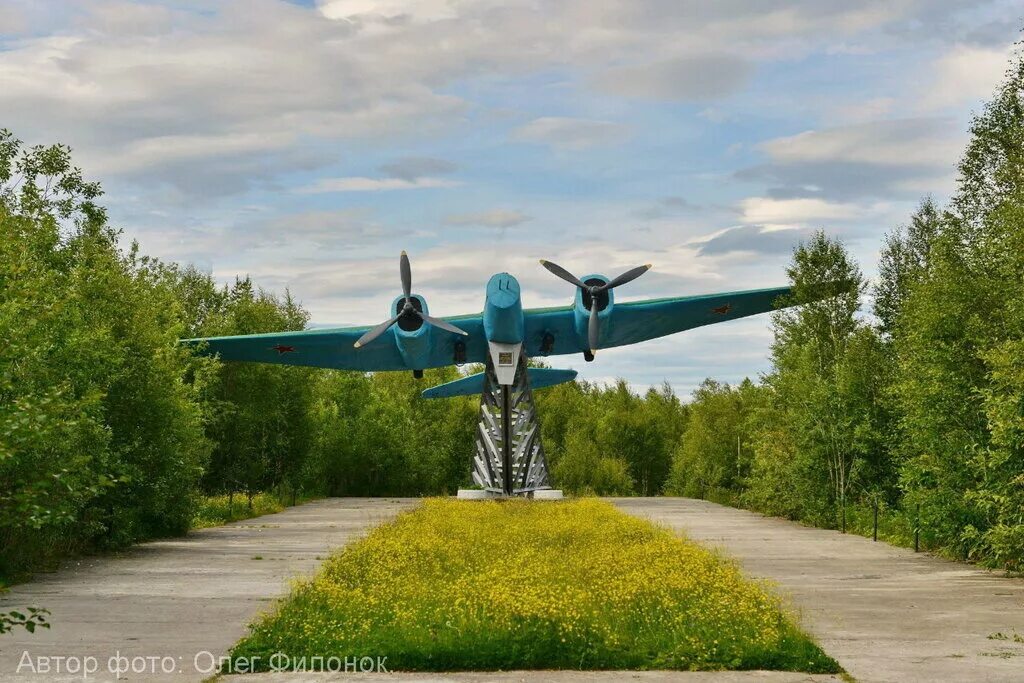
x=592, y=329
x=443, y=324
x=376, y=332
x=628, y=276
x=406, y=269
x=563, y=273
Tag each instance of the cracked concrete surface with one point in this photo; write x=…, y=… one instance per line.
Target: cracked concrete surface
x=182, y=596
x=885, y=613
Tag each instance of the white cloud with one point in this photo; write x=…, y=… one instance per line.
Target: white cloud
x=753, y=239
x=247, y=79
x=966, y=74
x=784, y=212
x=119, y=80
x=701, y=77
x=495, y=218
x=12, y=20
x=411, y=168
x=571, y=134
x=170, y=149
x=865, y=110
x=419, y=9
x=898, y=142
x=345, y=228
x=888, y=159
x=122, y=17
x=360, y=184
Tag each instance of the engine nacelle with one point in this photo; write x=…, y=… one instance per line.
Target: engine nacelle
x=412, y=335
x=605, y=304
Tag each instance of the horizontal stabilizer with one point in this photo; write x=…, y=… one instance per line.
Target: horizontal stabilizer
x=474, y=384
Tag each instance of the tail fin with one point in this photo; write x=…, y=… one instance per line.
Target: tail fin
x=474, y=384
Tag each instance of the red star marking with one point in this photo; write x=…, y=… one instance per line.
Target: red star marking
x=722, y=310
x=282, y=349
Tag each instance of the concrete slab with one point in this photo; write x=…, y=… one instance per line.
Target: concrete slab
x=179, y=597
x=885, y=613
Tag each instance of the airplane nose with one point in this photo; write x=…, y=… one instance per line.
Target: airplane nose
x=503, y=312
x=503, y=291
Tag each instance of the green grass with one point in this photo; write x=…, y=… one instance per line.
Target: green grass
x=215, y=510
x=473, y=585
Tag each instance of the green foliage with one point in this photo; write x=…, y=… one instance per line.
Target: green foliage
x=822, y=393
x=217, y=510
x=715, y=452
x=921, y=414
x=375, y=435
x=584, y=471
x=101, y=440
x=608, y=440
x=31, y=619
x=904, y=260
x=959, y=351
x=260, y=426
x=992, y=166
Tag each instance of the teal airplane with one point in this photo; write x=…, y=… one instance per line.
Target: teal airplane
x=413, y=340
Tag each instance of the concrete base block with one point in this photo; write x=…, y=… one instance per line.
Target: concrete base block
x=476, y=494
x=479, y=494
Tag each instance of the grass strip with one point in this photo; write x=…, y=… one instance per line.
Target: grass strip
x=499, y=585
x=217, y=510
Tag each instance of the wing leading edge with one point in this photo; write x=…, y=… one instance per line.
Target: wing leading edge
x=636, y=321
x=333, y=348
x=548, y=331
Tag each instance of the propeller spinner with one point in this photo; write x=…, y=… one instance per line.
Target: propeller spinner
x=407, y=309
x=593, y=325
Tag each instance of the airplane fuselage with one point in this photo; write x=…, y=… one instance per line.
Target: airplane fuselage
x=504, y=323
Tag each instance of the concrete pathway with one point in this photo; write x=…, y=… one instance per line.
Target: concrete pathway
x=885, y=613
x=173, y=600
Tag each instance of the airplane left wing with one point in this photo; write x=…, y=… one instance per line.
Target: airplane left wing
x=333, y=348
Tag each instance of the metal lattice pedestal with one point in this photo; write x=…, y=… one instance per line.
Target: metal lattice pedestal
x=509, y=456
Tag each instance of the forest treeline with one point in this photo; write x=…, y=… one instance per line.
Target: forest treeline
x=906, y=395
x=916, y=410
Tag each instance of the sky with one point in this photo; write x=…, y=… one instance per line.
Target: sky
x=307, y=143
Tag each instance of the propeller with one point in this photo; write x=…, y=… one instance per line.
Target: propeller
x=407, y=309
x=594, y=290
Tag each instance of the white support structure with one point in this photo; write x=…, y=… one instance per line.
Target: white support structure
x=505, y=361
x=509, y=458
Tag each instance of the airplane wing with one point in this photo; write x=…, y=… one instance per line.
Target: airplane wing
x=333, y=348
x=629, y=322
x=636, y=321
x=557, y=322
